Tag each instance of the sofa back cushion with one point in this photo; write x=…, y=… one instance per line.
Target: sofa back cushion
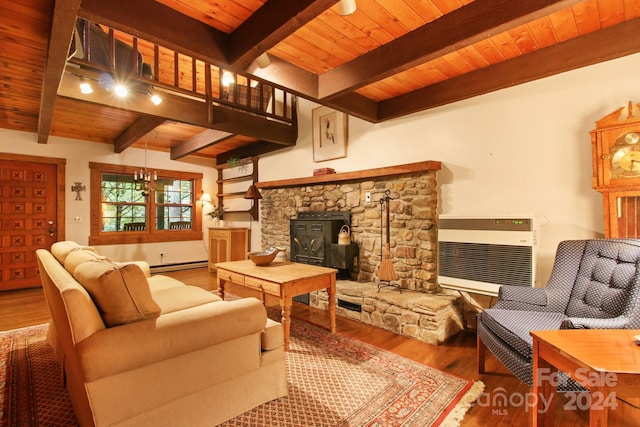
x=77, y=257
x=608, y=280
x=121, y=292
x=62, y=249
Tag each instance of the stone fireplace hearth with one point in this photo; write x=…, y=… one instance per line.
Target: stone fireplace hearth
x=420, y=311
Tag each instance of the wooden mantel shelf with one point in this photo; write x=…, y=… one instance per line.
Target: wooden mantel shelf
x=429, y=165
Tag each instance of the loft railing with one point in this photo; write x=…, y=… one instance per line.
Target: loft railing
x=106, y=49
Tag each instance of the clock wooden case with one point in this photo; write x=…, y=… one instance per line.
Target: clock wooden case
x=616, y=169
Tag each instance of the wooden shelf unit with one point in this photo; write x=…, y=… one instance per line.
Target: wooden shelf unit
x=249, y=178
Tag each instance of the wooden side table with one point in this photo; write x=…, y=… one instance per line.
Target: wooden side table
x=227, y=244
x=604, y=361
x=283, y=280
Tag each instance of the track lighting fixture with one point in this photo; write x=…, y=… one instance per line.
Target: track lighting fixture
x=85, y=86
x=155, y=98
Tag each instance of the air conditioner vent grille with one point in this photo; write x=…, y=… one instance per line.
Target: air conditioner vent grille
x=488, y=263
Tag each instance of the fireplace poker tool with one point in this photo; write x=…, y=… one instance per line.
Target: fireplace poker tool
x=386, y=273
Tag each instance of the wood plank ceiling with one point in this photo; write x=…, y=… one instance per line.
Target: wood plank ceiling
x=388, y=59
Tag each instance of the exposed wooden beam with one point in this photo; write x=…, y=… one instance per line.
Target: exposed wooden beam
x=467, y=25
x=606, y=44
x=255, y=149
x=62, y=24
x=198, y=142
x=139, y=128
x=269, y=25
x=239, y=122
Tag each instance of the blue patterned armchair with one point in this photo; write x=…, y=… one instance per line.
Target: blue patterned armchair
x=594, y=284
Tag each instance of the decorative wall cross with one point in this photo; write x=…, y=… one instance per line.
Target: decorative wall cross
x=78, y=187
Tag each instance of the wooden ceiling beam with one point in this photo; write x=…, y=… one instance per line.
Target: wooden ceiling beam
x=253, y=150
x=63, y=21
x=273, y=22
x=603, y=45
x=139, y=128
x=239, y=122
x=202, y=140
x=464, y=26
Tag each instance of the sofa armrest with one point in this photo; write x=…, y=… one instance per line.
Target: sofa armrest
x=620, y=322
x=122, y=348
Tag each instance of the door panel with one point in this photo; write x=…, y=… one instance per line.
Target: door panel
x=28, y=219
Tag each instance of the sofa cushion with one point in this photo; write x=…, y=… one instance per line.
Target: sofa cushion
x=120, y=292
x=182, y=297
x=514, y=326
x=61, y=249
x=79, y=256
x=272, y=336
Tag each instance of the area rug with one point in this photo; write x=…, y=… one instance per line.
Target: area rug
x=333, y=380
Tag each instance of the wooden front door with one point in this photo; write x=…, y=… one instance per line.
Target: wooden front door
x=28, y=218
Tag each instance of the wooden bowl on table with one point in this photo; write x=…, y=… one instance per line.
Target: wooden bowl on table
x=265, y=257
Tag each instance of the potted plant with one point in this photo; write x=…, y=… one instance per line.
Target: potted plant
x=216, y=214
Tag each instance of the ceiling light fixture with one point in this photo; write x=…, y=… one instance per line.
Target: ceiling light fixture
x=121, y=90
x=155, y=98
x=142, y=178
x=227, y=78
x=347, y=7
x=263, y=60
x=85, y=86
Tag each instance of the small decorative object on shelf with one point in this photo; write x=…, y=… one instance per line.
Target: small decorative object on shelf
x=323, y=171
x=216, y=213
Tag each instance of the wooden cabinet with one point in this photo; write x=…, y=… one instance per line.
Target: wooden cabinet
x=227, y=244
x=616, y=170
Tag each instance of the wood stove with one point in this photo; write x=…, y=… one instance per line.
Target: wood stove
x=314, y=240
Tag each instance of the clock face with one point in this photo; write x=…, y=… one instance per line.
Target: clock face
x=625, y=162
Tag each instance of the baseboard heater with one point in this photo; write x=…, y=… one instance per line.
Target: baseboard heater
x=164, y=268
x=479, y=254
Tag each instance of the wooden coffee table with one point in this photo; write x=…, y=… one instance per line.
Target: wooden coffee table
x=605, y=361
x=283, y=280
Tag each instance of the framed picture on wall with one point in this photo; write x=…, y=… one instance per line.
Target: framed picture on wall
x=329, y=134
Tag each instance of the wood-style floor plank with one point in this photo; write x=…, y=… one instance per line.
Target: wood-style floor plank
x=457, y=356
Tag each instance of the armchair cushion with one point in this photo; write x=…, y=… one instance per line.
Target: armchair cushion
x=514, y=326
x=528, y=296
x=121, y=292
x=607, y=278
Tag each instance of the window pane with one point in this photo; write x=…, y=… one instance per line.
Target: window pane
x=123, y=207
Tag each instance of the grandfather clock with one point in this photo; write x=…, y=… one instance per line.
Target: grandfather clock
x=616, y=170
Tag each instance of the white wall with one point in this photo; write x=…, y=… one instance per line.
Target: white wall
x=78, y=154
x=522, y=150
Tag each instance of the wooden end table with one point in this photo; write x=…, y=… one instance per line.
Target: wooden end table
x=604, y=361
x=283, y=280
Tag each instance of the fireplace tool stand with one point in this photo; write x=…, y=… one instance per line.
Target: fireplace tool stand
x=386, y=273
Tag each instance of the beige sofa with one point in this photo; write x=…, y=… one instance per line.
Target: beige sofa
x=137, y=350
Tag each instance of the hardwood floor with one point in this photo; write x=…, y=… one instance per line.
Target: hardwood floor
x=457, y=356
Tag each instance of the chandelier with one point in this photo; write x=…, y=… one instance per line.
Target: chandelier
x=142, y=178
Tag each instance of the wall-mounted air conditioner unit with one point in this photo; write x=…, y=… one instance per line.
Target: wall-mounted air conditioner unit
x=479, y=254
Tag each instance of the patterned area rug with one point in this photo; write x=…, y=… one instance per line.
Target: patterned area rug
x=333, y=381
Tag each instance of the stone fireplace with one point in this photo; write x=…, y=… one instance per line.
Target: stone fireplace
x=413, y=231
